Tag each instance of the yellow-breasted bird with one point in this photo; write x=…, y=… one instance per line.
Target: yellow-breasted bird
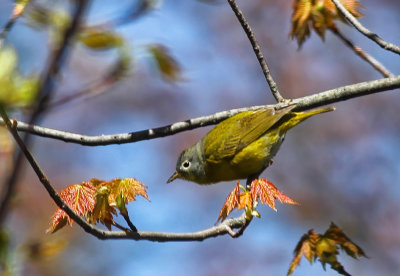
x=239, y=147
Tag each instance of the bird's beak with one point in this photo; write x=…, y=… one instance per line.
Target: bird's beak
x=173, y=177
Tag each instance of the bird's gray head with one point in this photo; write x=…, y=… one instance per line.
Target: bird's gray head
x=190, y=165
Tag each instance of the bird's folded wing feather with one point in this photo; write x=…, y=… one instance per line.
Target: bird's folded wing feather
x=239, y=131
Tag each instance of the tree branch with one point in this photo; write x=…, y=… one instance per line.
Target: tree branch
x=307, y=102
x=374, y=37
x=361, y=53
x=240, y=232
x=45, y=90
x=323, y=98
x=96, y=88
x=256, y=48
x=221, y=229
x=59, y=56
x=129, y=222
x=12, y=128
x=346, y=92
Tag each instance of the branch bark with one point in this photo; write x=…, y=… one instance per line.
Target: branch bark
x=257, y=51
x=218, y=230
x=304, y=103
x=362, y=54
x=45, y=90
x=373, y=36
x=323, y=98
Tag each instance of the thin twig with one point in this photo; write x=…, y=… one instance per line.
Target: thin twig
x=304, y=103
x=361, y=53
x=256, y=48
x=241, y=229
x=374, y=37
x=8, y=189
x=230, y=231
x=93, y=89
x=45, y=90
x=120, y=227
x=129, y=222
x=134, y=12
x=12, y=128
x=49, y=77
x=215, y=231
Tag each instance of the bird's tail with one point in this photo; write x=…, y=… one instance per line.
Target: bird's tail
x=296, y=118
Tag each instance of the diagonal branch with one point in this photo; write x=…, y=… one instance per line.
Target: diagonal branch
x=96, y=88
x=307, y=102
x=49, y=77
x=218, y=230
x=384, y=44
x=12, y=128
x=361, y=53
x=45, y=90
x=256, y=48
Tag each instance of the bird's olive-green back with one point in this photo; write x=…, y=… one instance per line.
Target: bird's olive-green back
x=232, y=135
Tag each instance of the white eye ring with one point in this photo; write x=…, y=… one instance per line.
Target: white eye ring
x=186, y=164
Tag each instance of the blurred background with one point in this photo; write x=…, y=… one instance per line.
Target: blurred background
x=343, y=166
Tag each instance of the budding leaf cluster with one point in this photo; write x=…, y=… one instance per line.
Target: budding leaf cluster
x=98, y=201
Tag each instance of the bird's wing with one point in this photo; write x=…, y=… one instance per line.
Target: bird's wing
x=239, y=131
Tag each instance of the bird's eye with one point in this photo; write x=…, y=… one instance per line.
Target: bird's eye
x=186, y=164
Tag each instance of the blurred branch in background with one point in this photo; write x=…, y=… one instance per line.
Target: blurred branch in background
x=96, y=88
x=221, y=229
x=131, y=13
x=45, y=90
x=99, y=37
x=17, y=12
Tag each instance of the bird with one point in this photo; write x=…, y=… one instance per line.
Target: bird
x=240, y=147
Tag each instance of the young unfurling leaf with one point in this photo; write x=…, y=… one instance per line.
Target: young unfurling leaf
x=80, y=198
x=261, y=189
x=231, y=202
x=337, y=234
x=306, y=247
x=266, y=192
x=102, y=211
x=300, y=26
x=98, y=39
x=121, y=205
x=97, y=200
x=324, y=247
x=169, y=68
x=129, y=188
x=60, y=219
x=319, y=15
x=16, y=89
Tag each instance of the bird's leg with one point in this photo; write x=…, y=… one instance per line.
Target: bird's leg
x=250, y=179
x=255, y=176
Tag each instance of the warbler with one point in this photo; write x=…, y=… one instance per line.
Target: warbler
x=239, y=147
